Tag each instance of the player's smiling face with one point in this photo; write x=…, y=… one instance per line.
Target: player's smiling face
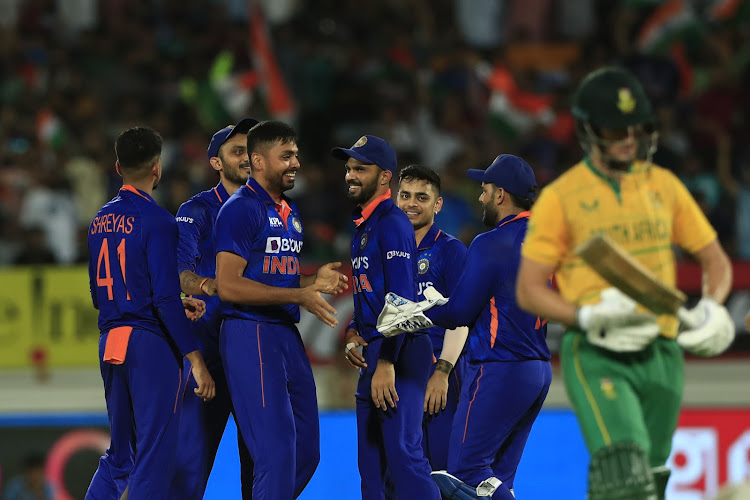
x=361, y=181
x=281, y=166
x=419, y=201
x=235, y=164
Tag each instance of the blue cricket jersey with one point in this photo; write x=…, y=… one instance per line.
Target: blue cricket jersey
x=133, y=270
x=383, y=260
x=196, y=251
x=440, y=261
x=485, y=299
x=268, y=235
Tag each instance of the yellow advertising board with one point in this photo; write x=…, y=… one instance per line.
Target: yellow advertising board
x=48, y=310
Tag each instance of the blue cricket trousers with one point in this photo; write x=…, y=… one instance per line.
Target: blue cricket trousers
x=499, y=403
x=276, y=408
x=201, y=428
x=437, y=428
x=143, y=401
x=390, y=442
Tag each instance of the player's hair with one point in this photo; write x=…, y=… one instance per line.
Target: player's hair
x=138, y=148
x=523, y=203
x=268, y=133
x=420, y=173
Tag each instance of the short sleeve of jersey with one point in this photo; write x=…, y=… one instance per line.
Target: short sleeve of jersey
x=191, y=218
x=690, y=227
x=238, y=224
x=547, y=235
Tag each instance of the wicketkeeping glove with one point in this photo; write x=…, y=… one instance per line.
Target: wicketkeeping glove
x=400, y=315
x=711, y=329
x=614, y=324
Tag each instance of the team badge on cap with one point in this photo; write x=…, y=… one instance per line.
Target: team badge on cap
x=361, y=142
x=423, y=265
x=363, y=241
x=625, y=101
x=297, y=224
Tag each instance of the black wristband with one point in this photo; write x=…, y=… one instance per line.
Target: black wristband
x=444, y=366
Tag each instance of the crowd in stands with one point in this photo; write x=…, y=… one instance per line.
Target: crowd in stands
x=450, y=83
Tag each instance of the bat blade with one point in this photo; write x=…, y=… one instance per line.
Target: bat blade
x=630, y=276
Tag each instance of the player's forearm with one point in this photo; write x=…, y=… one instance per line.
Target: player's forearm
x=240, y=290
x=544, y=302
x=453, y=344
x=190, y=283
x=717, y=271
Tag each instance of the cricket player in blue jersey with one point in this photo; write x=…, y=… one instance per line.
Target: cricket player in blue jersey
x=202, y=425
x=144, y=330
x=258, y=241
x=508, y=372
x=440, y=260
x=396, y=370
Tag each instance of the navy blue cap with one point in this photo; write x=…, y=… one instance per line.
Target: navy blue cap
x=508, y=172
x=223, y=135
x=370, y=150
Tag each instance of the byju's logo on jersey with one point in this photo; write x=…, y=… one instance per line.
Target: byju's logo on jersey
x=275, y=222
x=392, y=254
x=276, y=244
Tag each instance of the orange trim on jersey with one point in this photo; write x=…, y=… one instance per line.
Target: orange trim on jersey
x=284, y=211
x=369, y=209
x=216, y=191
x=128, y=187
x=116, y=347
x=522, y=215
x=493, y=322
x=468, y=412
x=260, y=362
x=438, y=235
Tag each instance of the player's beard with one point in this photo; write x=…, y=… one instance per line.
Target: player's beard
x=366, y=192
x=489, y=214
x=237, y=176
x=279, y=183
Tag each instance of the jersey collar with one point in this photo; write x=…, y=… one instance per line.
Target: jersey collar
x=283, y=208
x=523, y=215
x=430, y=238
x=361, y=215
x=221, y=193
x=128, y=187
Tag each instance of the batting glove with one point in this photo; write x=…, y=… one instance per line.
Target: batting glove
x=614, y=324
x=711, y=329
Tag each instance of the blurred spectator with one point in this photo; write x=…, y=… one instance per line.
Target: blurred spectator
x=34, y=249
x=31, y=485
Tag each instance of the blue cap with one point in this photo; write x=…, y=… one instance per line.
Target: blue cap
x=370, y=150
x=510, y=173
x=223, y=135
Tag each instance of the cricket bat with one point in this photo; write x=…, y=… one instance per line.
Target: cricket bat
x=632, y=278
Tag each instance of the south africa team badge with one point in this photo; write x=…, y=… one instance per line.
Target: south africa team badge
x=423, y=265
x=363, y=241
x=297, y=224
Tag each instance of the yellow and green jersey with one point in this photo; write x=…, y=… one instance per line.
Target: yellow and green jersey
x=644, y=212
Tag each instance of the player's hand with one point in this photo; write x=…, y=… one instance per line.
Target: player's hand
x=206, y=389
x=436, y=396
x=711, y=329
x=351, y=351
x=194, y=308
x=313, y=302
x=614, y=324
x=331, y=281
x=383, y=385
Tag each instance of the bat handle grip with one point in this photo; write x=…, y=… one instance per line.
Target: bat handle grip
x=686, y=318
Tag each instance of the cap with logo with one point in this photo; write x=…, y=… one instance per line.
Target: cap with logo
x=370, y=150
x=510, y=173
x=223, y=135
x=612, y=98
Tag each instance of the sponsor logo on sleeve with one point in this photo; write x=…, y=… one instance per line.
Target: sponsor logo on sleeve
x=392, y=254
x=189, y=220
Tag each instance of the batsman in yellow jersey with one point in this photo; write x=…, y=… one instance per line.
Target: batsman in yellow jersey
x=623, y=369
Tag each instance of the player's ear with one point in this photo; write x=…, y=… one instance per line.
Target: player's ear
x=216, y=163
x=499, y=196
x=438, y=204
x=385, y=177
x=118, y=168
x=256, y=160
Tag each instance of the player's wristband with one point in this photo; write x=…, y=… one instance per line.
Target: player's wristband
x=200, y=287
x=444, y=366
